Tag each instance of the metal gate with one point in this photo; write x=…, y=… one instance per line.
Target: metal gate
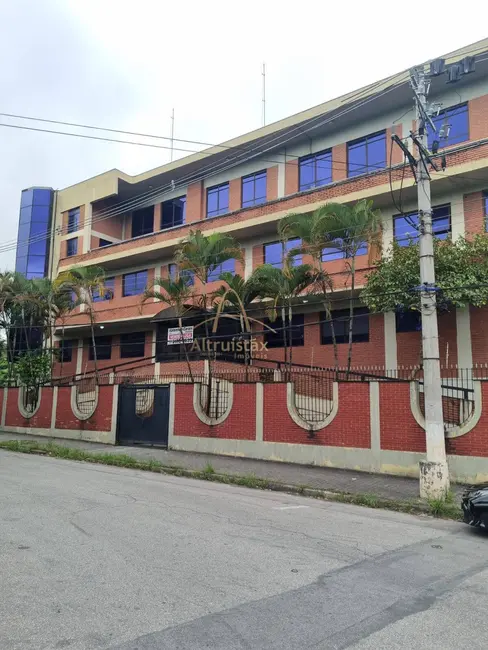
x=143, y=415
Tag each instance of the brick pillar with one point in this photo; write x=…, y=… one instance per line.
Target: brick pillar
x=195, y=196
x=396, y=152
x=257, y=256
x=157, y=217
x=272, y=183
x=339, y=162
x=291, y=177
x=235, y=193
x=478, y=118
x=474, y=213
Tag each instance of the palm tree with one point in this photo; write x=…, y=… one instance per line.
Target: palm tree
x=282, y=286
x=175, y=293
x=350, y=228
x=84, y=282
x=310, y=230
x=201, y=255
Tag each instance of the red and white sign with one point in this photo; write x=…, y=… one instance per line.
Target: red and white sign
x=175, y=338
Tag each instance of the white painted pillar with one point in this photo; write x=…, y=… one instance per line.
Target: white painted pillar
x=79, y=357
x=87, y=224
x=171, y=423
x=259, y=412
x=374, y=417
x=463, y=338
x=391, y=362
x=281, y=179
x=247, y=261
x=457, y=217
x=4, y=406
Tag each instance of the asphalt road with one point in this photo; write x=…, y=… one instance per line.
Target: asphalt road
x=95, y=557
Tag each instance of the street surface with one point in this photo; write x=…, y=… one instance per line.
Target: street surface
x=95, y=557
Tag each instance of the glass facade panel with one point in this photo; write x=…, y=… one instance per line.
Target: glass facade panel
x=406, y=227
x=275, y=252
x=173, y=213
x=367, y=154
x=315, y=170
x=134, y=284
x=254, y=189
x=33, y=232
x=218, y=200
x=452, y=127
x=227, y=266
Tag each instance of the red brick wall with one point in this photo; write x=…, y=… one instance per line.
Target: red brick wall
x=41, y=420
x=474, y=213
x=101, y=420
x=474, y=443
x=235, y=193
x=409, y=344
x=339, y=162
x=112, y=227
x=89, y=366
x=396, y=153
x=291, y=177
x=195, y=199
x=239, y=425
x=399, y=431
x=478, y=117
x=350, y=427
x=272, y=183
x=479, y=334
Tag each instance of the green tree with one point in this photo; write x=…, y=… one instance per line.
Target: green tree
x=84, y=282
x=282, y=287
x=461, y=276
x=311, y=230
x=176, y=293
x=349, y=229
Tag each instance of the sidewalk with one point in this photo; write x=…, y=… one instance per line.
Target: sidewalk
x=322, y=478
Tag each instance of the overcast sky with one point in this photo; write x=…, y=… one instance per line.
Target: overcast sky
x=127, y=64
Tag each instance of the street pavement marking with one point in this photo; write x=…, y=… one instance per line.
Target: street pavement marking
x=289, y=507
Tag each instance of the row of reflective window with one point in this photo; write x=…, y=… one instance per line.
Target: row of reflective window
x=131, y=345
x=33, y=233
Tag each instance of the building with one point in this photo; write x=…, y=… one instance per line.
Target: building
x=33, y=238
x=338, y=151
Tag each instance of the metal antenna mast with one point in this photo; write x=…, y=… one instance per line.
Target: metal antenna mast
x=264, y=93
x=172, y=132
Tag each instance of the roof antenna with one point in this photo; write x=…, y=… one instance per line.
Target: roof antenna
x=172, y=132
x=264, y=93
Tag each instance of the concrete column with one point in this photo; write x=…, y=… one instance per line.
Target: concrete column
x=391, y=362
x=4, y=406
x=54, y=408
x=259, y=412
x=374, y=417
x=281, y=179
x=457, y=217
x=247, y=261
x=79, y=357
x=463, y=338
x=87, y=228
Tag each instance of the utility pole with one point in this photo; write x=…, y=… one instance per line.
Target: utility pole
x=434, y=473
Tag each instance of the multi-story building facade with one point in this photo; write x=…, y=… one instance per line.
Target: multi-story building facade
x=338, y=151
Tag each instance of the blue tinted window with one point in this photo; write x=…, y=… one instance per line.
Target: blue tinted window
x=109, y=291
x=173, y=213
x=315, y=170
x=227, y=266
x=21, y=264
x=74, y=220
x=25, y=214
x=134, y=284
x=405, y=227
x=103, y=242
x=329, y=254
x=38, y=247
x=26, y=198
x=143, y=221
x=218, y=200
x=38, y=228
x=40, y=213
x=254, y=189
x=275, y=252
x=485, y=199
x=452, y=126
x=72, y=246
x=367, y=154
x=184, y=274
x=36, y=264
x=23, y=232
x=42, y=197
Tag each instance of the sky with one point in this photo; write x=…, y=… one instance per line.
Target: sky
x=124, y=65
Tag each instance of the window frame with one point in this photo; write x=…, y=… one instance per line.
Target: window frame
x=214, y=275
x=125, y=345
x=405, y=241
x=66, y=350
x=220, y=211
x=410, y=324
x=366, y=168
x=106, y=242
x=73, y=225
x=441, y=117
x=274, y=341
x=135, y=274
x=109, y=284
x=102, y=344
x=188, y=273
x=343, y=315
x=251, y=179
x=72, y=242
x=145, y=230
x=183, y=215
x=285, y=247
x=302, y=161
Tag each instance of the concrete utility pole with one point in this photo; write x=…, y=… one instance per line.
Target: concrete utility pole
x=434, y=473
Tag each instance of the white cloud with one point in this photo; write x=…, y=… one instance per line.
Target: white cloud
x=126, y=65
